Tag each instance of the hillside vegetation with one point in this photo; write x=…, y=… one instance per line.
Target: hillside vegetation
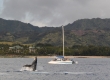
x=85, y=32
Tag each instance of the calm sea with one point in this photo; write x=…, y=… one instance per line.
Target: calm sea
x=86, y=69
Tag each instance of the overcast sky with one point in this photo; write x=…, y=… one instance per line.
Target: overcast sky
x=53, y=12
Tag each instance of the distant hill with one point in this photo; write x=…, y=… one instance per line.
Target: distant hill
x=87, y=24
x=94, y=31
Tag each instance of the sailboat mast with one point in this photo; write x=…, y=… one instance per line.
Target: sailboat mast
x=63, y=39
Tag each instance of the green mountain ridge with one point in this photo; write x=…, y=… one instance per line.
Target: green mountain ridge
x=94, y=31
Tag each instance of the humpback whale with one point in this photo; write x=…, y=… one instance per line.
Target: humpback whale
x=30, y=67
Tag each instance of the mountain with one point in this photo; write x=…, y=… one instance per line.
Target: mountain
x=12, y=30
x=94, y=31
x=18, y=26
x=86, y=24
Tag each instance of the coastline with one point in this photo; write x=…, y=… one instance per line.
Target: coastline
x=54, y=56
x=22, y=56
x=76, y=56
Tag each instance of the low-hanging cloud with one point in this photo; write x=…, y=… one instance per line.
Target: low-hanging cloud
x=54, y=12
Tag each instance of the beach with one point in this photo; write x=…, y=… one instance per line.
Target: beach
x=18, y=56
x=70, y=56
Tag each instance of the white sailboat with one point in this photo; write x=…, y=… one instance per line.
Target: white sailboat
x=62, y=59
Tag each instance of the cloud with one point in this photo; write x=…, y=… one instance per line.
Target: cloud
x=54, y=12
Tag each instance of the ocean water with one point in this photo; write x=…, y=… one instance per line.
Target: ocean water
x=86, y=69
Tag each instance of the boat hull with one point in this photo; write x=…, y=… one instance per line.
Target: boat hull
x=60, y=62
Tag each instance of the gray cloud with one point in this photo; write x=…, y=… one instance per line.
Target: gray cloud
x=54, y=12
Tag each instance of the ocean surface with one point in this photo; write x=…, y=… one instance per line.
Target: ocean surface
x=86, y=69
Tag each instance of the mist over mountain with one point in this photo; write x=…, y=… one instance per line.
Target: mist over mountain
x=94, y=31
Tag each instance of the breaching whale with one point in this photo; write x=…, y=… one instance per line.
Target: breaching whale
x=30, y=67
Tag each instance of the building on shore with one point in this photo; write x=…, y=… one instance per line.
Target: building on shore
x=16, y=48
x=32, y=49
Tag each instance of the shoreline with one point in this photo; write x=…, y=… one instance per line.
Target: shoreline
x=54, y=56
x=65, y=57
x=76, y=56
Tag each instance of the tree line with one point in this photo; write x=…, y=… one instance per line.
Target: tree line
x=50, y=50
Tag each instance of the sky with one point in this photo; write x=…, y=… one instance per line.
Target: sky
x=53, y=13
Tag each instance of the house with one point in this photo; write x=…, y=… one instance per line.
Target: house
x=32, y=49
x=16, y=48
